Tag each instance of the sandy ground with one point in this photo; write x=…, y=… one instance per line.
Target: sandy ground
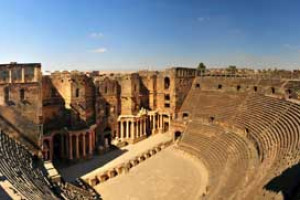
x=169, y=175
x=111, y=159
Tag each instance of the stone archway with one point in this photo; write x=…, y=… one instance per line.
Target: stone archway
x=57, y=146
x=177, y=135
x=46, y=149
x=107, y=133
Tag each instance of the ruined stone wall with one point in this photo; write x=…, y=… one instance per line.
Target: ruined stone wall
x=53, y=106
x=77, y=91
x=20, y=98
x=130, y=94
x=107, y=104
x=260, y=85
x=148, y=89
x=172, y=87
x=292, y=89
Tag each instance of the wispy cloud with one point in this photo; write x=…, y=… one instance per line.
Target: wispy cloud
x=99, y=50
x=96, y=35
x=202, y=19
x=291, y=46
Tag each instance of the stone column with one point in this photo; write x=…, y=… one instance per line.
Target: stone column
x=118, y=130
x=62, y=150
x=127, y=128
x=10, y=76
x=36, y=74
x=151, y=122
x=70, y=147
x=122, y=129
x=141, y=128
x=154, y=122
x=83, y=145
x=132, y=130
x=23, y=74
x=145, y=126
x=51, y=148
x=169, y=121
x=137, y=129
x=77, y=147
x=161, y=123
x=90, y=142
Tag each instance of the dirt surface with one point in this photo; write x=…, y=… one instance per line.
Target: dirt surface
x=171, y=174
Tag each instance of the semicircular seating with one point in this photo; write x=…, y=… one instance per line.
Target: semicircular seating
x=25, y=174
x=251, y=140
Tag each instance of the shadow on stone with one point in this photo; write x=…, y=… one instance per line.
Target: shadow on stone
x=287, y=182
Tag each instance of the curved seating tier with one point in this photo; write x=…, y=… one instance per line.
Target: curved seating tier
x=22, y=171
x=225, y=154
x=270, y=128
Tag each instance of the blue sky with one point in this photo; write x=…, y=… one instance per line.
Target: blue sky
x=143, y=34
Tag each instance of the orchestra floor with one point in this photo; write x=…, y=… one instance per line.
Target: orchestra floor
x=170, y=174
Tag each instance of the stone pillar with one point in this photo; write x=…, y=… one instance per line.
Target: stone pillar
x=169, y=121
x=90, y=142
x=127, y=128
x=137, y=130
x=10, y=76
x=155, y=122
x=141, y=128
x=145, y=126
x=51, y=148
x=77, y=147
x=70, y=147
x=151, y=121
x=23, y=75
x=161, y=123
x=118, y=130
x=83, y=146
x=62, y=150
x=36, y=74
x=122, y=129
x=132, y=130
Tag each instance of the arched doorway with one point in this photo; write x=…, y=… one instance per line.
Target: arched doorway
x=107, y=136
x=46, y=149
x=177, y=135
x=57, y=146
x=167, y=83
x=6, y=95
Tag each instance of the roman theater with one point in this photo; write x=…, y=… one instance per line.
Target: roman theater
x=178, y=133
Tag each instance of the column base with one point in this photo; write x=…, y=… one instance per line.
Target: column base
x=135, y=140
x=154, y=131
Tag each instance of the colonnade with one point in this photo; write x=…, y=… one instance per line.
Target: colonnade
x=132, y=127
x=156, y=122
x=71, y=145
x=84, y=142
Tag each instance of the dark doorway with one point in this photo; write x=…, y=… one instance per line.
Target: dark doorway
x=273, y=90
x=57, y=146
x=177, y=135
x=6, y=95
x=167, y=83
x=255, y=88
x=107, y=136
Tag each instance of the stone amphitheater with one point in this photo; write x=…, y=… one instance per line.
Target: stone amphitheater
x=170, y=134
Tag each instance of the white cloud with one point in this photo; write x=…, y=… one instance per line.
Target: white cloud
x=202, y=19
x=96, y=35
x=291, y=46
x=99, y=50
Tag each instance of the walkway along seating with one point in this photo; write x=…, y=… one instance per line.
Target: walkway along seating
x=245, y=140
